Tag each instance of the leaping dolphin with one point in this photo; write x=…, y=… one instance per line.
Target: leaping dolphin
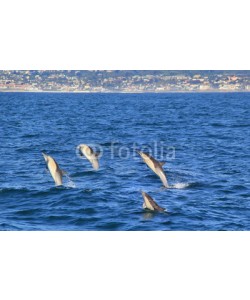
x=155, y=166
x=89, y=154
x=54, y=169
x=150, y=204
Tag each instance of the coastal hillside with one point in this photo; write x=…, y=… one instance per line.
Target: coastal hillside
x=124, y=81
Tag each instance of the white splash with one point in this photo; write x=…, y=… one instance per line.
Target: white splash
x=70, y=183
x=180, y=185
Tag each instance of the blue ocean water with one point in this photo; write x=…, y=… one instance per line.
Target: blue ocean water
x=203, y=137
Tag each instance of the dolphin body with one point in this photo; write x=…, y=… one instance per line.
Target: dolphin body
x=54, y=169
x=155, y=166
x=150, y=204
x=89, y=154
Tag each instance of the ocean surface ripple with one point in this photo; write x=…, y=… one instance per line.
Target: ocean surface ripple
x=209, y=173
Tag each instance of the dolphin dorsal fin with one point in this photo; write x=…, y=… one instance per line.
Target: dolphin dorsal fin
x=97, y=154
x=162, y=163
x=63, y=172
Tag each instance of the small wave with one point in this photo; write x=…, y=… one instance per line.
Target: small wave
x=31, y=135
x=13, y=189
x=28, y=212
x=218, y=125
x=109, y=144
x=58, y=218
x=86, y=172
x=8, y=227
x=239, y=125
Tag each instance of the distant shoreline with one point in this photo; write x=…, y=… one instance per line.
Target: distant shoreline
x=122, y=92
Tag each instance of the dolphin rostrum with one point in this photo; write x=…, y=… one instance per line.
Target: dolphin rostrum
x=89, y=153
x=150, y=204
x=54, y=169
x=155, y=166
